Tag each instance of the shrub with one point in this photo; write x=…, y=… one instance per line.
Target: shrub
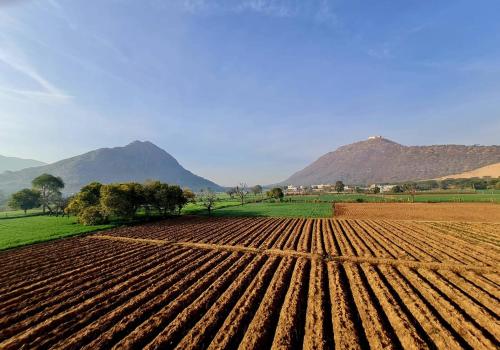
x=360, y=200
x=91, y=216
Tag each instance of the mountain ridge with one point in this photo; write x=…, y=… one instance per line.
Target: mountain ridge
x=15, y=163
x=138, y=161
x=380, y=160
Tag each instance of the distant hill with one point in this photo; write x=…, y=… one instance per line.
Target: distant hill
x=492, y=170
x=14, y=164
x=379, y=160
x=138, y=161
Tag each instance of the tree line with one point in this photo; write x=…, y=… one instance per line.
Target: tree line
x=96, y=203
x=45, y=192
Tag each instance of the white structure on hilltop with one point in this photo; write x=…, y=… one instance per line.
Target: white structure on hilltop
x=375, y=137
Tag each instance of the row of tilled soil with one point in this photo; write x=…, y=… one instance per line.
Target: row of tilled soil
x=413, y=241
x=165, y=296
x=458, y=212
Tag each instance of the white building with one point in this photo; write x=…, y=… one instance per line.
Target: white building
x=383, y=188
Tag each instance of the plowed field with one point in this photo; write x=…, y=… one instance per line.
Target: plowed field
x=466, y=212
x=197, y=283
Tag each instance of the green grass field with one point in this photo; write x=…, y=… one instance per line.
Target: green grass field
x=16, y=229
x=32, y=229
x=19, y=213
x=485, y=196
x=265, y=209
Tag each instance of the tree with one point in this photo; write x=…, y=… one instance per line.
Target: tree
x=276, y=193
x=177, y=199
x=410, y=188
x=49, y=186
x=339, y=186
x=256, y=190
x=208, y=199
x=89, y=195
x=116, y=200
x=58, y=201
x=25, y=199
x=164, y=202
x=231, y=192
x=91, y=215
x=497, y=186
x=376, y=190
x=397, y=189
x=241, y=192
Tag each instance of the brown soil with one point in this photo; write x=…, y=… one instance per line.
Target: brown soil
x=461, y=212
x=253, y=283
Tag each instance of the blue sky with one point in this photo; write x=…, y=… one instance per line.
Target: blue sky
x=245, y=90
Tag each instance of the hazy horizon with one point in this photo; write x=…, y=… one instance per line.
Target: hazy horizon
x=245, y=90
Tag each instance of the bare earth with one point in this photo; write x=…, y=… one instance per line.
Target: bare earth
x=466, y=212
x=492, y=170
x=257, y=283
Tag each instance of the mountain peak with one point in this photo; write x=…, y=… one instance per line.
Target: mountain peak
x=138, y=161
x=15, y=164
x=138, y=143
x=379, y=138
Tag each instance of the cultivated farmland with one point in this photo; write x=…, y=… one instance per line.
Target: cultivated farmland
x=256, y=283
x=477, y=212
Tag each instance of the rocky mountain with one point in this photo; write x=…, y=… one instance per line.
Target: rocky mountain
x=379, y=160
x=14, y=164
x=138, y=161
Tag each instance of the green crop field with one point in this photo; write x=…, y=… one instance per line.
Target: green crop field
x=16, y=229
x=266, y=209
x=484, y=196
x=18, y=213
x=20, y=231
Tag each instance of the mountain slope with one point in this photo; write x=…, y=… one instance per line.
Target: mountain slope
x=138, y=161
x=378, y=160
x=14, y=164
x=492, y=170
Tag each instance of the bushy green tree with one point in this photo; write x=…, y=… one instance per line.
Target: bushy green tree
x=49, y=187
x=257, y=189
x=397, y=189
x=89, y=196
x=125, y=199
x=25, y=199
x=339, y=186
x=276, y=193
x=119, y=200
x=189, y=195
x=91, y=216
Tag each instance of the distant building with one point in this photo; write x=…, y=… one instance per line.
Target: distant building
x=383, y=188
x=291, y=189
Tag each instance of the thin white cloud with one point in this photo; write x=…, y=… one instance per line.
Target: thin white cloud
x=59, y=10
x=17, y=62
x=382, y=53
x=320, y=11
